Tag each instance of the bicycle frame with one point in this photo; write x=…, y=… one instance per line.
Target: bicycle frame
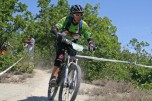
x=77, y=47
x=66, y=81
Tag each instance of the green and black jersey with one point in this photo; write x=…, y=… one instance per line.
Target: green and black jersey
x=73, y=31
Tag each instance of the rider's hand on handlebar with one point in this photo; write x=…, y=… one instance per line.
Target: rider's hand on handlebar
x=65, y=41
x=61, y=34
x=62, y=37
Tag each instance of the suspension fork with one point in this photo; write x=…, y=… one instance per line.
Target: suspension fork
x=74, y=75
x=66, y=72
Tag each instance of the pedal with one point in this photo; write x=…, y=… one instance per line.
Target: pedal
x=53, y=84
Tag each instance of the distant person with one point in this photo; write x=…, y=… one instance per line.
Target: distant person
x=30, y=43
x=3, y=49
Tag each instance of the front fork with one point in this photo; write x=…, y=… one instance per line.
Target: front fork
x=67, y=70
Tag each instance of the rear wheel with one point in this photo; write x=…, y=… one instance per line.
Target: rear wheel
x=52, y=91
x=69, y=91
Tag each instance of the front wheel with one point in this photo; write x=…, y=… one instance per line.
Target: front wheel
x=69, y=91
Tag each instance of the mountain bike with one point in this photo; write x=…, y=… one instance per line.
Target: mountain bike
x=69, y=78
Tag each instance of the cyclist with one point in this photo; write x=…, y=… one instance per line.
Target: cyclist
x=71, y=27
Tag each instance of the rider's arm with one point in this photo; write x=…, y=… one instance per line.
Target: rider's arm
x=59, y=26
x=86, y=31
x=87, y=34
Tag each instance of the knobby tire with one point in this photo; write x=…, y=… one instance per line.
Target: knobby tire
x=78, y=77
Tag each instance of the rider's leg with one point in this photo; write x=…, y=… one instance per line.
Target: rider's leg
x=54, y=75
x=57, y=66
x=59, y=59
x=55, y=71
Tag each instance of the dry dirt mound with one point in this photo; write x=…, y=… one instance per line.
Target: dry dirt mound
x=14, y=77
x=34, y=88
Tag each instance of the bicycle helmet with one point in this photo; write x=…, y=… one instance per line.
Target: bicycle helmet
x=76, y=9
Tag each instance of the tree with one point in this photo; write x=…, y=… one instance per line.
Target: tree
x=10, y=20
x=49, y=15
x=13, y=22
x=138, y=47
x=106, y=40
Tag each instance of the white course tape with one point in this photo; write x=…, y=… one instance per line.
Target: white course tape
x=110, y=60
x=10, y=67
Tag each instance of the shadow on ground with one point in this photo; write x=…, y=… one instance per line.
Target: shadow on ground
x=36, y=98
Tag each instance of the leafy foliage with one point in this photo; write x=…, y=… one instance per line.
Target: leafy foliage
x=17, y=23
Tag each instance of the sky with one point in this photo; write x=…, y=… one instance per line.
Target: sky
x=133, y=18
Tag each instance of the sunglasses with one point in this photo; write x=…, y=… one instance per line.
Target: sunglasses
x=78, y=14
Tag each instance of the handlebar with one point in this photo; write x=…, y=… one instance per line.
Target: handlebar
x=74, y=45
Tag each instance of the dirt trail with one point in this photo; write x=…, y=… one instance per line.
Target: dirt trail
x=33, y=89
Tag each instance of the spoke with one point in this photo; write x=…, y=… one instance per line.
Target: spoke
x=65, y=94
x=69, y=90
